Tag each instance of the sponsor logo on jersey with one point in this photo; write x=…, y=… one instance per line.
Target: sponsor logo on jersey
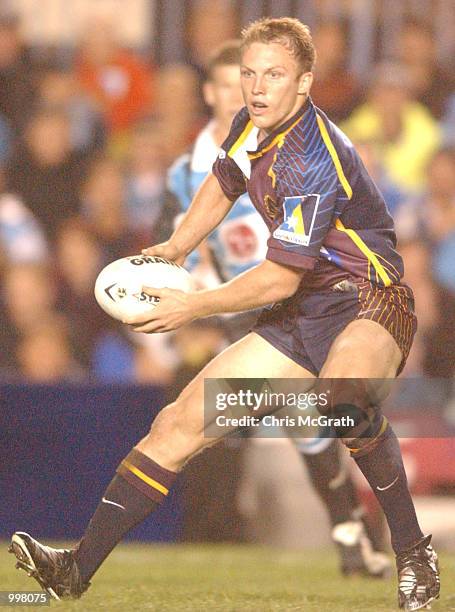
x=299, y=215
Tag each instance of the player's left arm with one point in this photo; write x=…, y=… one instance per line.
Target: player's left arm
x=264, y=284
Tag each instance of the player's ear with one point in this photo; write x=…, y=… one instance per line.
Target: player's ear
x=305, y=82
x=208, y=93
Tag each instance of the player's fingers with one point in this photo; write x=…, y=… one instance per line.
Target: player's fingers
x=140, y=319
x=153, y=250
x=154, y=291
x=150, y=327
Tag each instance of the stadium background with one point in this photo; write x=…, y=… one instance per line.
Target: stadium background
x=97, y=99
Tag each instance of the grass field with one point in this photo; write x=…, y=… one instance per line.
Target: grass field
x=226, y=578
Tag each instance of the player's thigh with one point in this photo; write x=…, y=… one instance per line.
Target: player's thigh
x=250, y=357
x=179, y=429
x=364, y=349
x=362, y=363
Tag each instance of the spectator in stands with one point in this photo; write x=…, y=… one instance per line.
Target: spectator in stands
x=405, y=133
x=432, y=219
x=439, y=214
x=335, y=90
x=118, y=356
x=440, y=348
x=58, y=88
x=417, y=259
x=103, y=204
x=155, y=359
x=429, y=83
x=21, y=237
x=17, y=73
x=45, y=173
x=6, y=139
x=28, y=298
x=393, y=195
x=113, y=359
x=117, y=79
x=209, y=23
x=438, y=208
x=44, y=356
x=79, y=259
x=448, y=123
x=101, y=345
x=113, y=231
x=431, y=215
x=150, y=208
x=178, y=109
x=196, y=345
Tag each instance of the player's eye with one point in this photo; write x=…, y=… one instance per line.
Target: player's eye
x=246, y=73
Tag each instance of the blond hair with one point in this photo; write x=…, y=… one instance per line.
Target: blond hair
x=294, y=35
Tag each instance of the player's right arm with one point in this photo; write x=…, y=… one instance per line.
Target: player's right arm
x=209, y=207
x=211, y=203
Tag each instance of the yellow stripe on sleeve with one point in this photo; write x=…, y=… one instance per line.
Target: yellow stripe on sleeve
x=334, y=155
x=150, y=481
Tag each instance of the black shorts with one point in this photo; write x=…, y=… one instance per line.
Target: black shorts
x=305, y=326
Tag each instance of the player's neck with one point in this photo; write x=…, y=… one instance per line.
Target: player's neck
x=265, y=133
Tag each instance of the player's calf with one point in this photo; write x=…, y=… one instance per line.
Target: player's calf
x=176, y=434
x=143, y=481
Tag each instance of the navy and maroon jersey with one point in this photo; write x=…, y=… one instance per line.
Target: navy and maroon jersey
x=323, y=211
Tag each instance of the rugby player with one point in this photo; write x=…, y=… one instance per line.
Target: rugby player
x=334, y=308
x=236, y=245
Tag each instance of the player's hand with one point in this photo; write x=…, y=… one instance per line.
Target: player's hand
x=173, y=311
x=167, y=250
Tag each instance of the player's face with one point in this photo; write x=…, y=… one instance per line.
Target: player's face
x=273, y=85
x=223, y=93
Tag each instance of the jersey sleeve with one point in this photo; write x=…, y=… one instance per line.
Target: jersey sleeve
x=310, y=200
x=229, y=175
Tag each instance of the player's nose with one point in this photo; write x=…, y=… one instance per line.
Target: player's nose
x=258, y=85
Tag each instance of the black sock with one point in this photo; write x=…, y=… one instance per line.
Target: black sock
x=139, y=486
x=332, y=481
x=383, y=467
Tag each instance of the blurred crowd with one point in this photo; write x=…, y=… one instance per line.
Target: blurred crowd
x=86, y=140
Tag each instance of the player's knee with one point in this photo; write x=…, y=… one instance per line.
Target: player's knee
x=362, y=439
x=175, y=426
x=352, y=409
x=163, y=423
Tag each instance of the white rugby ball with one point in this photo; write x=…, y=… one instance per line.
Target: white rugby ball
x=118, y=288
